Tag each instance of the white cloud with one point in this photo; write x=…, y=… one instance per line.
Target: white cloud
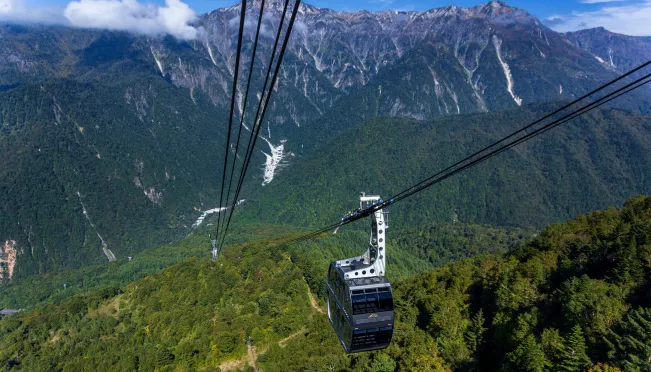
x=234, y=22
x=175, y=18
x=7, y=6
x=265, y=31
x=129, y=15
x=629, y=19
x=554, y=18
x=251, y=23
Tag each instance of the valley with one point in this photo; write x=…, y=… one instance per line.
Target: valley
x=144, y=164
x=113, y=140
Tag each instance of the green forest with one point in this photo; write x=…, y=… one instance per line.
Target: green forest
x=118, y=146
x=595, y=161
x=414, y=251
x=574, y=297
x=61, y=159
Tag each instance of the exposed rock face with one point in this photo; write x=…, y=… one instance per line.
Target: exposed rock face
x=8, y=255
x=423, y=64
x=143, y=119
x=617, y=51
x=442, y=61
x=154, y=196
x=334, y=53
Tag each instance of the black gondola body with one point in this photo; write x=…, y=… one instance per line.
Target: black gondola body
x=364, y=320
x=360, y=300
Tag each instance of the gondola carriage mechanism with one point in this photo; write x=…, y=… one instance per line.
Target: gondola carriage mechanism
x=360, y=300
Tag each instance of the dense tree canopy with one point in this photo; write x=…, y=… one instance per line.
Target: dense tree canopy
x=574, y=298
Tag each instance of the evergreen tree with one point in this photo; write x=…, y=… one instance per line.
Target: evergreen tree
x=383, y=363
x=630, y=341
x=628, y=267
x=574, y=357
x=552, y=345
x=528, y=356
x=475, y=333
x=163, y=356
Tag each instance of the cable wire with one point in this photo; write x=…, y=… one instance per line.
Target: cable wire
x=263, y=93
x=532, y=124
x=264, y=110
x=442, y=175
x=230, y=120
x=629, y=87
x=243, y=113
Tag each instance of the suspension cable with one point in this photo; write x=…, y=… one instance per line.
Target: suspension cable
x=442, y=175
x=531, y=125
x=246, y=98
x=264, y=110
x=230, y=119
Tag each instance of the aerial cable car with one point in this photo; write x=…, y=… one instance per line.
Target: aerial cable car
x=360, y=300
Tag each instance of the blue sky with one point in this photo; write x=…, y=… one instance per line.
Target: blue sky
x=632, y=17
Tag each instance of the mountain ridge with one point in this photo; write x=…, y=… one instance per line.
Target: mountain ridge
x=620, y=52
x=337, y=74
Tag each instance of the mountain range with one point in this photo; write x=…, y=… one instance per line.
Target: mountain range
x=111, y=151
x=112, y=142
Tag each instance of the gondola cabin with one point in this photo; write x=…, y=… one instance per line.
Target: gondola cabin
x=363, y=321
x=360, y=300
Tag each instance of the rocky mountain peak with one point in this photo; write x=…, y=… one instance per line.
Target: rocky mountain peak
x=341, y=69
x=595, y=32
x=619, y=52
x=270, y=5
x=276, y=6
x=498, y=10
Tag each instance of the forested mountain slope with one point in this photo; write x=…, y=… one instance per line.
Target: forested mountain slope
x=573, y=298
x=86, y=177
x=577, y=295
x=109, y=141
x=412, y=251
x=598, y=159
x=416, y=64
x=252, y=306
